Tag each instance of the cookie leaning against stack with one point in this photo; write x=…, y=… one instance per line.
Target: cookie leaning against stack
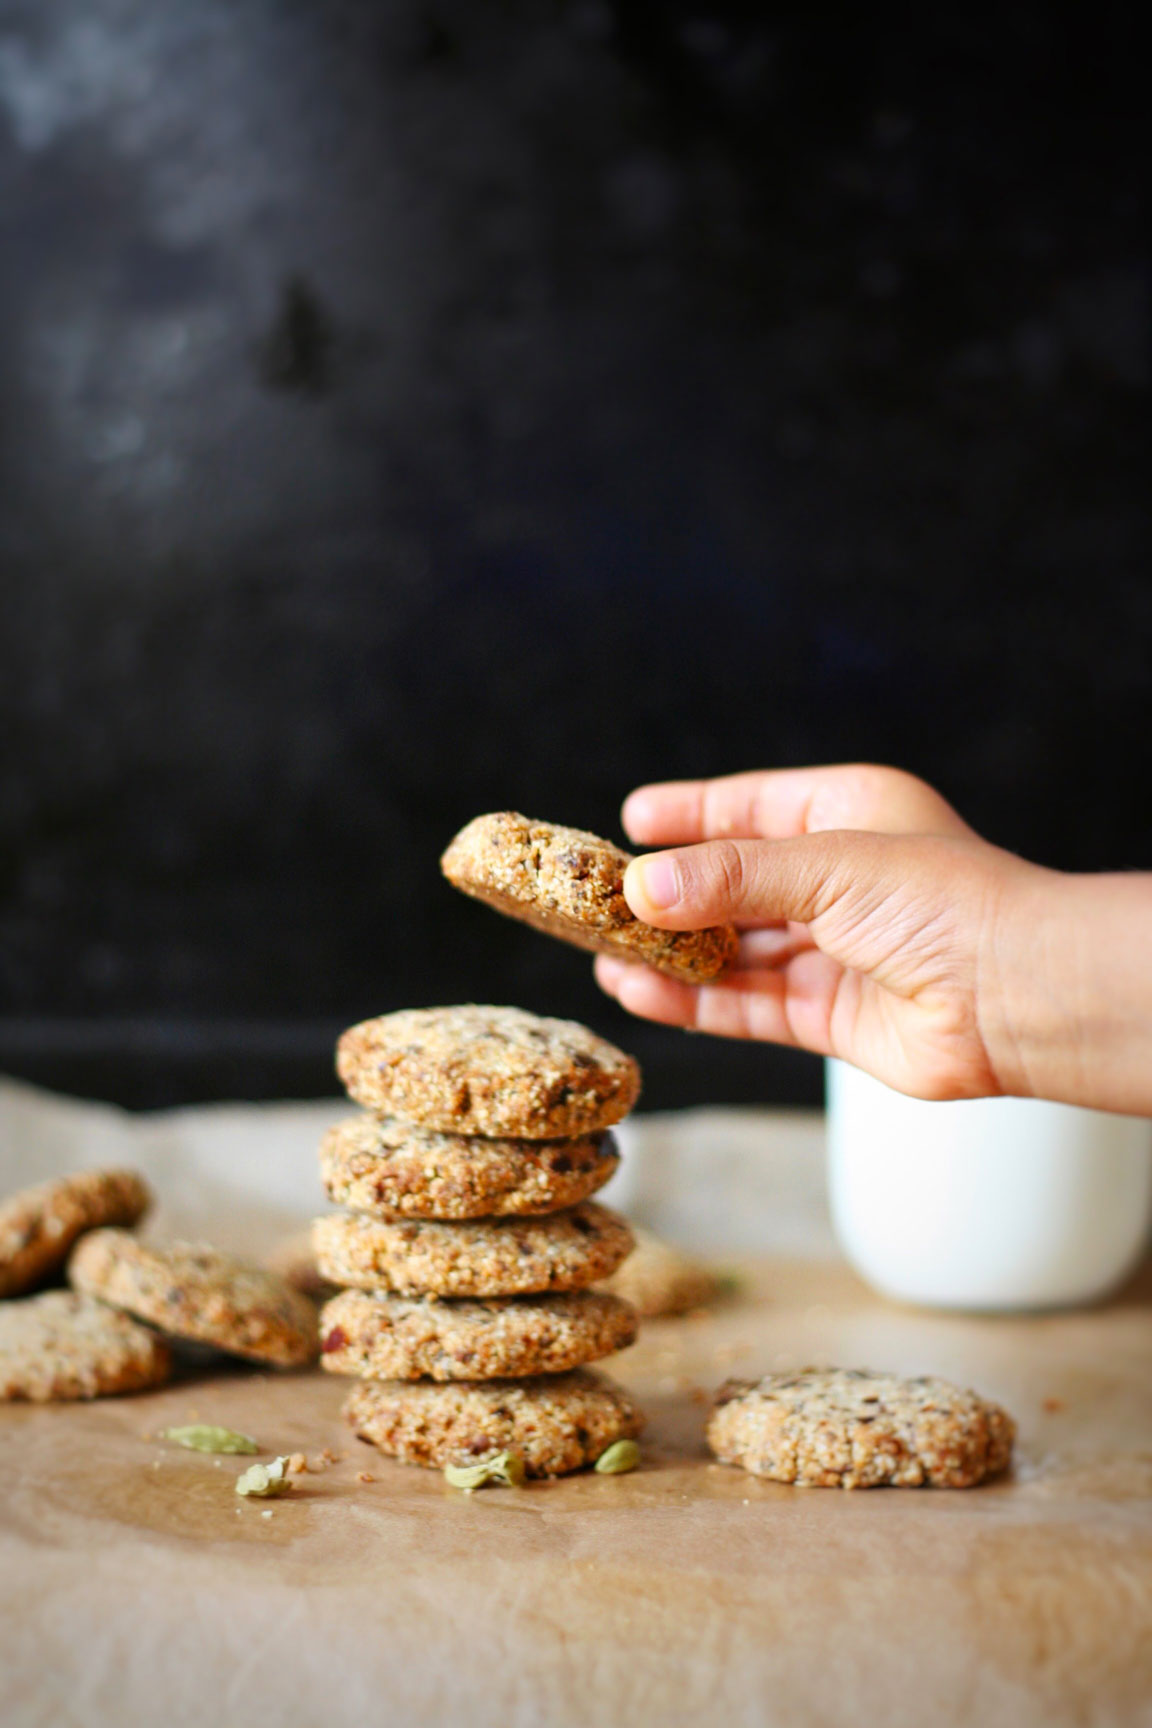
x=472, y=1241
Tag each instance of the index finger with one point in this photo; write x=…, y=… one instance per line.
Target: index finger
x=775, y=804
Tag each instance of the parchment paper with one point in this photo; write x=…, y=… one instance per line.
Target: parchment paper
x=136, y=1588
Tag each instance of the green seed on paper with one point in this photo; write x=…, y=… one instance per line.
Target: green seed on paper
x=205, y=1437
x=265, y=1481
x=621, y=1456
x=505, y=1467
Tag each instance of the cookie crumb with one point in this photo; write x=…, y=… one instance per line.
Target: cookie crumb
x=365, y=1476
x=297, y=1464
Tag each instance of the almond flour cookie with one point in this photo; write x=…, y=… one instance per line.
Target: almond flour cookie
x=195, y=1291
x=382, y=1337
x=60, y=1345
x=489, y=1071
x=39, y=1225
x=571, y=884
x=659, y=1280
x=555, y=1424
x=396, y=1169
x=843, y=1428
x=492, y=1257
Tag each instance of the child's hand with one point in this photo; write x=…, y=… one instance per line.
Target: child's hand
x=878, y=927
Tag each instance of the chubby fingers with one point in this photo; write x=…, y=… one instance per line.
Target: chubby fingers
x=740, y=881
x=780, y=1008
x=787, y=801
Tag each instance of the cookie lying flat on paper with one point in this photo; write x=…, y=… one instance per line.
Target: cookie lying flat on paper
x=845, y=1428
x=556, y=1424
x=570, y=884
x=488, y=1257
x=195, y=1291
x=60, y=1345
x=475, y=1069
x=390, y=1168
x=38, y=1226
x=383, y=1337
x=658, y=1279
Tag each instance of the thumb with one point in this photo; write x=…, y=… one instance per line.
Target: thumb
x=757, y=881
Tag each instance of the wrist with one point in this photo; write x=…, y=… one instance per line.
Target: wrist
x=1073, y=1020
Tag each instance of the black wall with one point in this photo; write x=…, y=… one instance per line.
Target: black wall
x=408, y=410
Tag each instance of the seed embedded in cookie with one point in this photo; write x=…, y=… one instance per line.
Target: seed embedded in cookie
x=847, y=1428
x=570, y=884
x=193, y=1290
x=382, y=1337
x=61, y=1345
x=39, y=1226
x=491, y=1071
x=391, y=1169
x=564, y=1251
x=554, y=1424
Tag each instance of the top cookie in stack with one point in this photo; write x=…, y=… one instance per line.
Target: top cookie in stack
x=472, y=1241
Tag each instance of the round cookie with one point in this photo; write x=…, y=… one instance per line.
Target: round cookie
x=60, y=1345
x=492, y=1257
x=844, y=1428
x=196, y=1291
x=475, y=1069
x=555, y=1424
x=382, y=1337
x=658, y=1279
x=390, y=1168
x=570, y=884
x=38, y=1226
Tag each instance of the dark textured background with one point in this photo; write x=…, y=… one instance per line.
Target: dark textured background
x=413, y=409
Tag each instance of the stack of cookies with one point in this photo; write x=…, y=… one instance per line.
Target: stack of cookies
x=471, y=1242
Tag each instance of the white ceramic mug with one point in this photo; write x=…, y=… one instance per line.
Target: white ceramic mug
x=985, y=1203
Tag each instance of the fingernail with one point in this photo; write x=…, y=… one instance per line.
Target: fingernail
x=659, y=881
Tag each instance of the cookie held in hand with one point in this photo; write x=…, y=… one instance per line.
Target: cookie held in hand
x=570, y=884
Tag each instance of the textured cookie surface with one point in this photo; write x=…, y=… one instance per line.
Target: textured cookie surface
x=396, y=1169
x=61, y=1345
x=193, y=1290
x=488, y=1257
x=403, y=1338
x=38, y=1226
x=658, y=1279
x=571, y=884
x=491, y=1071
x=556, y=1424
x=844, y=1428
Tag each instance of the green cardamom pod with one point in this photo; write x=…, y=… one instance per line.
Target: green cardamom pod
x=622, y=1455
x=265, y=1481
x=206, y=1437
x=505, y=1467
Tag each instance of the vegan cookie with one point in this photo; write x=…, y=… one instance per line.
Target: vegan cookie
x=39, y=1226
x=844, y=1428
x=570, y=884
x=658, y=1279
x=491, y=1257
x=196, y=1291
x=488, y=1071
x=382, y=1337
x=556, y=1424
x=61, y=1345
x=396, y=1169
